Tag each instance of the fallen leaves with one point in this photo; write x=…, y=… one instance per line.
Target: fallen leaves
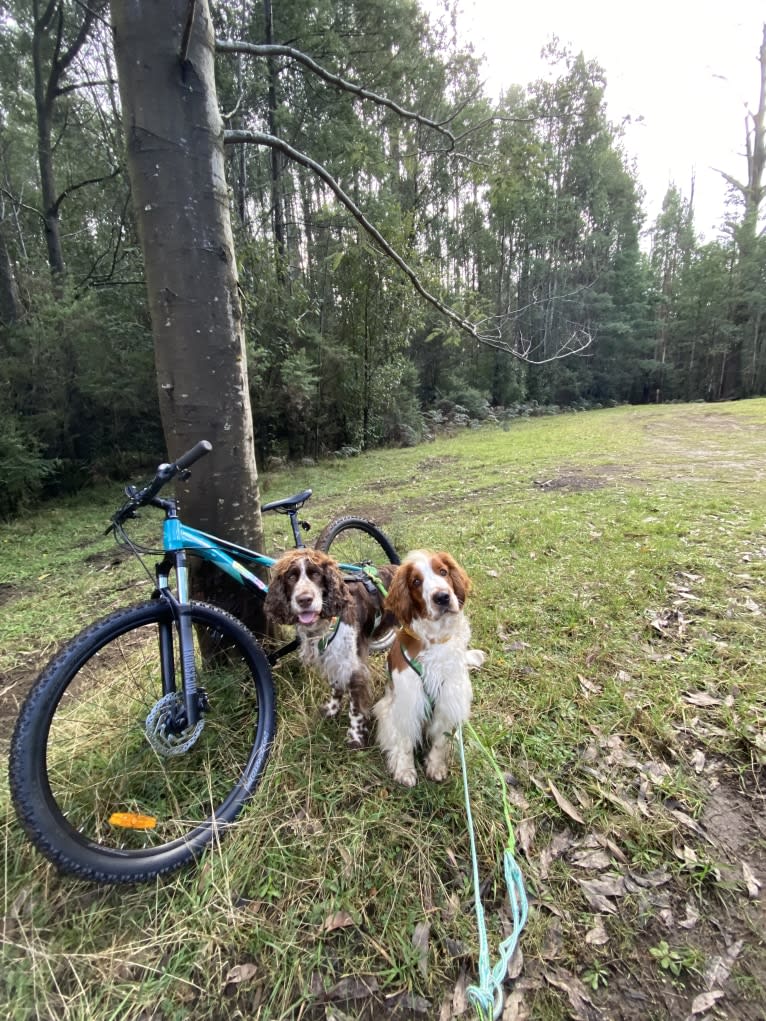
x=752, y=884
x=241, y=973
x=719, y=967
x=581, y=1006
x=598, y=892
x=337, y=920
x=597, y=935
x=420, y=942
x=705, y=1001
x=565, y=805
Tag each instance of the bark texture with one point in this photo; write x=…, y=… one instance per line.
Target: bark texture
x=174, y=136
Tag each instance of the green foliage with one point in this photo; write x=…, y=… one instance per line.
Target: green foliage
x=80, y=399
x=22, y=469
x=534, y=235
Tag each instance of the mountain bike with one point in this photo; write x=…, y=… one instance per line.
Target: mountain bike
x=148, y=732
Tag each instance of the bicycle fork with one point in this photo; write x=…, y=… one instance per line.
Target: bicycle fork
x=182, y=621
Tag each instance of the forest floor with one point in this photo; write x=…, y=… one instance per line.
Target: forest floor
x=619, y=568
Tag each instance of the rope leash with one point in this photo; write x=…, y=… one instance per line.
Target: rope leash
x=487, y=996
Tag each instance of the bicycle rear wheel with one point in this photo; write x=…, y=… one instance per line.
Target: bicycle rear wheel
x=357, y=542
x=105, y=780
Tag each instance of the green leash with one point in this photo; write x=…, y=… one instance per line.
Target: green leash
x=487, y=996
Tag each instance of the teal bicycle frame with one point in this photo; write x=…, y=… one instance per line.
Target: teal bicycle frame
x=179, y=538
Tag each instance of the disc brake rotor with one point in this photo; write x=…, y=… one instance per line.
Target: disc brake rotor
x=160, y=732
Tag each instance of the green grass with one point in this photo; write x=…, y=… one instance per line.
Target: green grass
x=619, y=568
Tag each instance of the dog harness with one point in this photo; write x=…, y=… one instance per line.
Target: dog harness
x=325, y=640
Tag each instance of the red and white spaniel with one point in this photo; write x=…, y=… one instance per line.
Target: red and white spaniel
x=430, y=691
x=335, y=618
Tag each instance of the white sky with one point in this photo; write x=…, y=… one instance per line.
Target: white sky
x=689, y=67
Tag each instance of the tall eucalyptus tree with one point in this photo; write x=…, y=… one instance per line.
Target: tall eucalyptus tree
x=174, y=135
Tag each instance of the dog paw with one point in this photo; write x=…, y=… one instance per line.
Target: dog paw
x=406, y=777
x=331, y=709
x=436, y=771
x=474, y=658
x=356, y=742
x=357, y=736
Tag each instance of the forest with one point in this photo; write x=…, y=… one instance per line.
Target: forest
x=522, y=218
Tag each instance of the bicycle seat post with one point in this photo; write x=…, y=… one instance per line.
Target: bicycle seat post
x=293, y=513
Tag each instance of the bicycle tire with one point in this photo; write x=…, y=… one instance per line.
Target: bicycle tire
x=356, y=541
x=359, y=542
x=81, y=763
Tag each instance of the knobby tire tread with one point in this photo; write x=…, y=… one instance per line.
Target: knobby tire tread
x=85, y=860
x=350, y=522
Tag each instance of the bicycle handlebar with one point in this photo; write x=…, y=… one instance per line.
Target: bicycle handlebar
x=165, y=472
x=197, y=451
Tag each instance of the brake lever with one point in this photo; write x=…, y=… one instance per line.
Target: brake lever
x=123, y=514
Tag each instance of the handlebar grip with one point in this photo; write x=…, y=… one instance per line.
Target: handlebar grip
x=197, y=451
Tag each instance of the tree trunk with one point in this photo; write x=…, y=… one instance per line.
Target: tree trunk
x=11, y=308
x=44, y=86
x=277, y=214
x=174, y=135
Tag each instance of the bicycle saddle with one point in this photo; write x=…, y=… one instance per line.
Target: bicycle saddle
x=288, y=503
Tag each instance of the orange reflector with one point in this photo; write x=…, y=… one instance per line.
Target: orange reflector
x=132, y=821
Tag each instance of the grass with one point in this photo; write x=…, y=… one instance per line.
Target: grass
x=619, y=565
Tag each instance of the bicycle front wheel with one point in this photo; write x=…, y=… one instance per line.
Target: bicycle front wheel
x=106, y=780
x=357, y=542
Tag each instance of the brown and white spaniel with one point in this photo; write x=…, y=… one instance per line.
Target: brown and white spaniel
x=335, y=618
x=429, y=692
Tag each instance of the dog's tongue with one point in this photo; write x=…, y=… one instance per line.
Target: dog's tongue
x=309, y=617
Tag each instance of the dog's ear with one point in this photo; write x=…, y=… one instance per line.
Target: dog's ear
x=460, y=581
x=277, y=602
x=398, y=600
x=336, y=594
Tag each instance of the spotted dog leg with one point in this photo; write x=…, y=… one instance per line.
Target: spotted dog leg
x=358, y=710
x=333, y=707
x=358, y=730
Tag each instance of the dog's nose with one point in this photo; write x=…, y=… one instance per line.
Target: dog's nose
x=304, y=600
x=441, y=598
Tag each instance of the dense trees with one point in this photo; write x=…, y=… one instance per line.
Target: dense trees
x=525, y=221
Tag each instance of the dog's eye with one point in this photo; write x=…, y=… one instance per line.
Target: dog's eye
x=443, y=572
x=416, y=582
x=314, y=573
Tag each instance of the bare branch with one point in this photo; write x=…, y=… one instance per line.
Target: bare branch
x=63, y=60
x=18, y=204
x=274, y=50
x=82, y=184
x=66, y=89
x=577, y=342
x=742, y=188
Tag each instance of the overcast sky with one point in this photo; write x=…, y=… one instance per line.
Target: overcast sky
x=687, y=67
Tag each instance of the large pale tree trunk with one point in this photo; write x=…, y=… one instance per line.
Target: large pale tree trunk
x=174, y=136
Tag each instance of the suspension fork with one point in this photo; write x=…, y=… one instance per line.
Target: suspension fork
x=182, y=619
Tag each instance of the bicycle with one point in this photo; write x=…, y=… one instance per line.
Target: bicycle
x=145, y=736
